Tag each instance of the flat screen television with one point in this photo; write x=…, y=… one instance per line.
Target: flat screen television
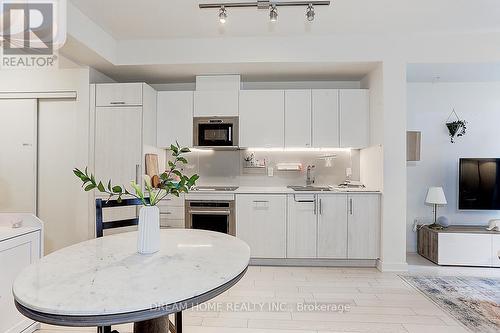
x=479, y=184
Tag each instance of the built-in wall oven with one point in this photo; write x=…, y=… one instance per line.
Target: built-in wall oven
x=215, y=132
x=216, y=215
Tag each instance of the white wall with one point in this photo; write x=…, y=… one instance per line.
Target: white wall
x=429, y=105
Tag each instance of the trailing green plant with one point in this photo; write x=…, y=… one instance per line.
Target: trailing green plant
x=172, y=182
x=456, y=128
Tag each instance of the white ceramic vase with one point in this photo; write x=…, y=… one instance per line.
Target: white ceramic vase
x=148, y=236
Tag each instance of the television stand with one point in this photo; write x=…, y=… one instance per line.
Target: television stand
x=460, y=245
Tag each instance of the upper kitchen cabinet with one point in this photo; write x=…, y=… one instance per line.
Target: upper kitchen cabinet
x=298, y=118
x=116, y=94
x=216, y=95
x=262, y=119
x=325, y=118
x=175, y=118
x=354, y=118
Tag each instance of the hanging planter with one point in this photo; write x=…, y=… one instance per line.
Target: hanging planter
x=456, y=127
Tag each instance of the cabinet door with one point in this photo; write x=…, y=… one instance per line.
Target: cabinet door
x=325, y=118
x=115, y=94
x=464, y=249
x=15, y=254
x=298, y=118
x=495, y=250
x=261, y=222
x=332, y=226
x=175, y=118
x=354, y=118
x=363, y=226
x=302, y=226
x=220, y=103
x=118, y=144
x=262, y=119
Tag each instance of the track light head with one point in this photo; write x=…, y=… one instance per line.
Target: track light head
x=273, y=14
x=310, y=13
x=222, y=15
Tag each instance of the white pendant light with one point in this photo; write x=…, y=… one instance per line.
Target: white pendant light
x=222, y=15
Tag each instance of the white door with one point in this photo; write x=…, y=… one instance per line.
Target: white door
x=262, y=118
x=261, y=223
x=62, y=204
x=363, y=226
x=298, y=118
x=354, y=118
x=175, y=118
x=325, y=118
x=18, y=155
x=332, y=226
x=15, y=254
x=118, y=144
x=302, y=226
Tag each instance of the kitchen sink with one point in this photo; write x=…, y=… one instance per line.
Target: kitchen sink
x=310, y=188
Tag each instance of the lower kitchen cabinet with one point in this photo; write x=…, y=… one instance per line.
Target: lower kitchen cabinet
x=363, y=227
x=261, y=223
x=332, y=226
x=302, y=226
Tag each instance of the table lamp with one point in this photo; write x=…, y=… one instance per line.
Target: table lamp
x=435, y=197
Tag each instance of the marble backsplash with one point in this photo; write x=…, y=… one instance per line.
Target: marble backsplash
x=228, y=167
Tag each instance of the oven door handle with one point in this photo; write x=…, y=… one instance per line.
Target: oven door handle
x=210, y=212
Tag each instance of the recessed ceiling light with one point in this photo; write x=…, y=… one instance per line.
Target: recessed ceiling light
x=273, y=14
x=310, y=13
x=222, y=15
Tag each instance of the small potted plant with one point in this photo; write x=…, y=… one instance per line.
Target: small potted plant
x=172, y=182
x=456, y=127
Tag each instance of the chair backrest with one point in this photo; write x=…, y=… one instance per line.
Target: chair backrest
x=100, y=225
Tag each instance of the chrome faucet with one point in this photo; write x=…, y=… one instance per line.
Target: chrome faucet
x=310, y=178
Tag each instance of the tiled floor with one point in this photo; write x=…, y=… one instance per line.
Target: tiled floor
x=274, y=299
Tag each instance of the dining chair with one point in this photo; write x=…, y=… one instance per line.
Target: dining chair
x=101, y=225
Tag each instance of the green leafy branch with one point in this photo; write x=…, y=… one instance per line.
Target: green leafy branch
x=172, y=182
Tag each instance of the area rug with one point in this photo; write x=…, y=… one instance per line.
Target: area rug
x=473, y=301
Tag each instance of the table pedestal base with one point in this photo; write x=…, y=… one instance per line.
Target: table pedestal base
x=159, y=325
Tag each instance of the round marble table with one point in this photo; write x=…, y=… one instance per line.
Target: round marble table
x=104, y=281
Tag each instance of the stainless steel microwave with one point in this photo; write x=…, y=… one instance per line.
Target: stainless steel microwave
x=215, y=132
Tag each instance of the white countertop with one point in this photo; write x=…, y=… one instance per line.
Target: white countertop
x=279, y=190
x=107, y=276
x=26, y=223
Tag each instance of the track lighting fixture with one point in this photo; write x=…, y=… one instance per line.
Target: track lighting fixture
x=272, y=6
x=273, y=14
x=222, y=14
x=310, y=13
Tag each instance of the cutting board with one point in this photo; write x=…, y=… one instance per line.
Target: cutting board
x=152, y=165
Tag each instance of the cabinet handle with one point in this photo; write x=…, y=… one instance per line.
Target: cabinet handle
x=116, y=103
x=260, y=201
x=350, y=206
x=137, y=173
x=315, y=207
x=320, y=207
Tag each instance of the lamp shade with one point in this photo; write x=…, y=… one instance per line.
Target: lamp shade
x=435, y=196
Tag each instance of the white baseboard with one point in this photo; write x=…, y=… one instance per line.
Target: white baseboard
x=314, y=262
x=392, y=267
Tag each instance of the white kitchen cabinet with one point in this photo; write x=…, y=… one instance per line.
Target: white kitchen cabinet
x=363, y=225
x=113, y=94
x=261, y=223
x=332, y=226
x=172, y=213
x=302, y=226
x=262, y=119
x=216, y=103
x=118, y=144
x=495, y=250
x=354, y=118
x=325, y=118
x=19, y=247
x=175, y=118
x=298, y=118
